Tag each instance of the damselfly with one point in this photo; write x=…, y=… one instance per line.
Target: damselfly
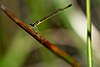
x=49, y=16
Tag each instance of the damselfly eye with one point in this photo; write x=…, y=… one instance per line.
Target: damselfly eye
x=33, y=27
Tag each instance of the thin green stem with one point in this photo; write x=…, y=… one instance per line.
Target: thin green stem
x=89, y=40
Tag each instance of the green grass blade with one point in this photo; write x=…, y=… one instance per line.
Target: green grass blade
x=89, y=40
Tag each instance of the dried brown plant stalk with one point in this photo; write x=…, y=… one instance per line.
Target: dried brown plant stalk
x=41, y=39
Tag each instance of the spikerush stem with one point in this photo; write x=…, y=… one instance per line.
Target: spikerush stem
x=89, y=31
x=65, y=56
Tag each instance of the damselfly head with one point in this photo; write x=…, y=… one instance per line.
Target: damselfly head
x=32, y=26
x=35, y=24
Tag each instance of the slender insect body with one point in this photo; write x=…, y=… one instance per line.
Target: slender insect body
x=49, y=16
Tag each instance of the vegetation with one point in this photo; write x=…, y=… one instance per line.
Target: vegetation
x=60, y=37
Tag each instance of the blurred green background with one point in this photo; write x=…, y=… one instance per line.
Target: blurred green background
x=67, y=30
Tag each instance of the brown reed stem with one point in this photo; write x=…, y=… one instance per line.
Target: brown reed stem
x=65, y=56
